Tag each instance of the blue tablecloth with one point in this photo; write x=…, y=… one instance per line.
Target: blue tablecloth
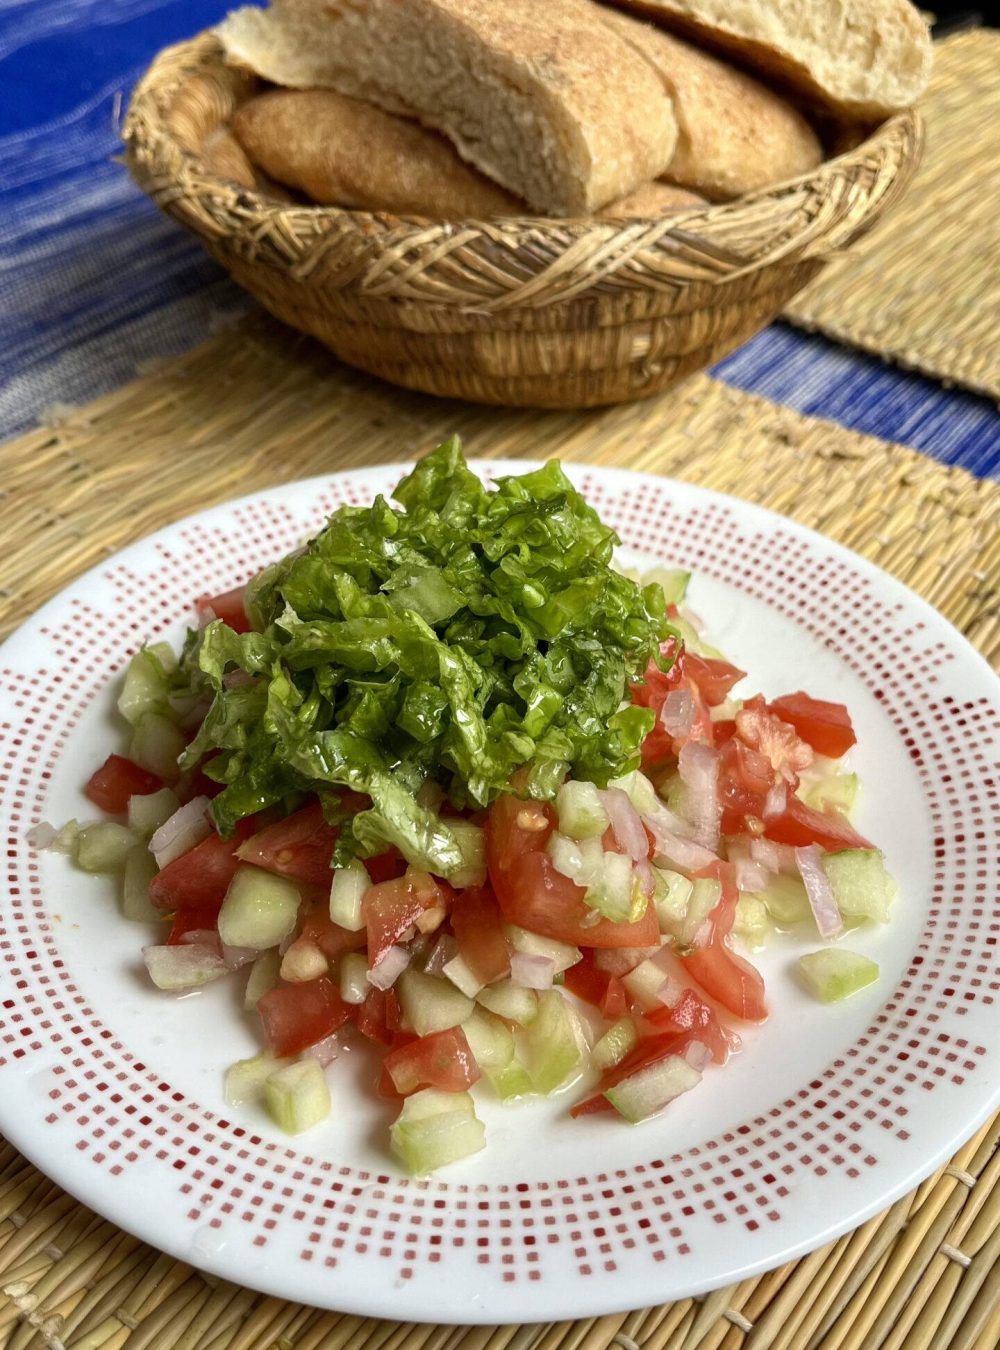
x=94, y=281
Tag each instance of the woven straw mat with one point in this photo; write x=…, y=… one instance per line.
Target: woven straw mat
x=923, y=289
x=258, y=405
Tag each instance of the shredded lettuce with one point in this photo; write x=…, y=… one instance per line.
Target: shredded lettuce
x=472, y=633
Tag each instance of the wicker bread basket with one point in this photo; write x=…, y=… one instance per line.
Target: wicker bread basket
x=529, y=310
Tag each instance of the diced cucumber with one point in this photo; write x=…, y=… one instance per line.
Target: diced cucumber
x=752, y=922
x=705, y=895
x=435, y=1128
x=580, y=810
x=260, y=908
x=140, y=869
x=186, y=966
x=671, y=898
x=263, y=976
x=643, y=984
x=162, y=655
x=785, y=899
x=65, y=840
x=648, y=1090
x=674, y=581
x=618, y=895
x=459, y=972
x=104, y=847
x=675, y=794
x=640, y=792
x=510, y=1002
x=146, y=686
x=471, y=840
x=861, y=886
x=431, y=1003
x=297, y=1097
x=552, y=1050
x=490, y=1040
x=147, y=812
x=834, y=973
x=157, y=744
x=725, y=711
x=693, y=641
x=839, y=791
x=244, y=1081
x=511, y=1081
x=561, y=954
x=581, y=860
x=354, y=986
x=619, y=1039
x=303, y=961
x=346, y=893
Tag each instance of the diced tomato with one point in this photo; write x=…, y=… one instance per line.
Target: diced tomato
x=614, y=1004
x=534, y=895
x=713, y=677
x=801, y=825
x=649, y=1050
x=199, y=919
x=826, y=726
x=745, y=777
x=379, y=1017
x=118, y=779
x=228, y=607
x=200, y=877
x=775, y=739
x=726, y=977
x=386, y=867
x=299, y=846
x=296, y=1016
x=691, y=1013
x=392, y=907
x=443, y=1060
x=332, y=940
x=587, y=981
x=477, y=924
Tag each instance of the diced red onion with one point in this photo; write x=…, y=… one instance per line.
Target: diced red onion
x=643, y=870
x=820, y=892
x=387, y=972
x=697, y=1055
x=775, y=801
x=751, y=876
x=235, y=957
x=684, y=854
x=203, y=937
x=188, y=826
x=699, y=769
x=775, y=857
x=620, y=960
x=442, y=952
x=325, y=1051
x=532, y=972
x=677, y=713
x=41, y=835
x=626, y=823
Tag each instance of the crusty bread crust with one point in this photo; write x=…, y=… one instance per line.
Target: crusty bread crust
x=861, y=59
x=651, y=200
x=735, y=135
x=340, y=151
x=540, y=97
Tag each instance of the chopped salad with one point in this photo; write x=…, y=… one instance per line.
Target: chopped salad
x=447, y=782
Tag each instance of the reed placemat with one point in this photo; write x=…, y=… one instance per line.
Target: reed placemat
x=259, y=405
x=923, y=289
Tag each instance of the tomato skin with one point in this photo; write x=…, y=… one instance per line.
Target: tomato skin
x=386, y=867
x=477, y=924
x=296, y=1016
x=200, y=877
x=825, y=726
x=379, y=1017
x=532, y=894
x=198, y=919
x=391, y=907
x=118, y=778
x=332, y=940
x=443, y=1060
x=723, y=975
x=649, y=1050
x=801, y=825
x=228, y=606
x=692, y=1013
x=713, y=676
x=300, y=846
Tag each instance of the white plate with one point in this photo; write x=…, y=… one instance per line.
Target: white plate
x=827, y=1116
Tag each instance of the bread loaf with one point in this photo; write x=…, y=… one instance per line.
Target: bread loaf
x=734, y=135
x=651, y=199
x=223, y=156
x=342, y=152
x=543, y=98
x=861, y=59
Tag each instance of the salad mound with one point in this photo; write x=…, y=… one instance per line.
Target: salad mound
x=447, y=782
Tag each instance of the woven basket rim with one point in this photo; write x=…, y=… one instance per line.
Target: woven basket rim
x=809, y=217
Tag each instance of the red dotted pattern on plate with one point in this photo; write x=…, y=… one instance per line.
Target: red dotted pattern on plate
x=122, y=1112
